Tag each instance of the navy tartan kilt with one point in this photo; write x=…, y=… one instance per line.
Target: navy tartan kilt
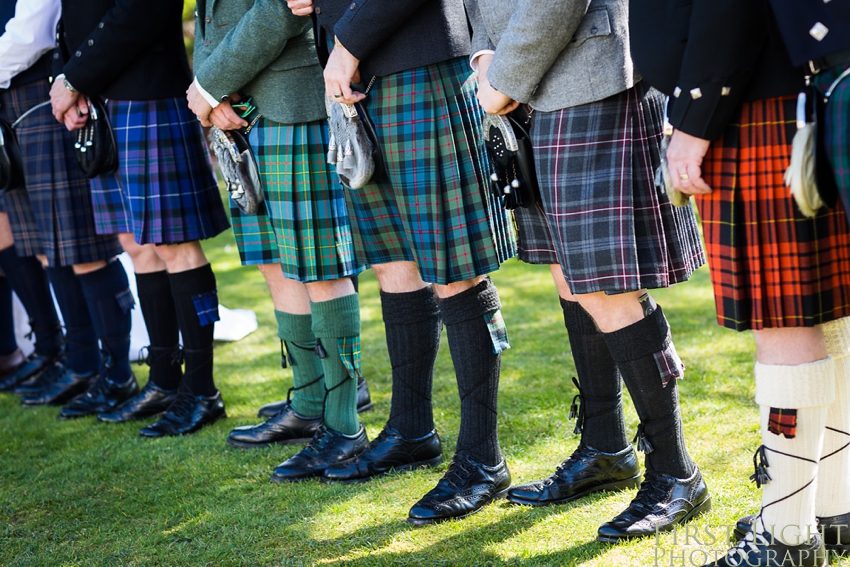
x=602, y=218
x=53, y=215
x=303, y=223
x=434, y=207
x=164, y=191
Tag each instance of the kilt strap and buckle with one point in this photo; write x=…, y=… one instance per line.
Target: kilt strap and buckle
x=829, y=61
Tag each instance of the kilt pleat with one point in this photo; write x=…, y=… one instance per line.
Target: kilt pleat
x=770, y=266
x=164, y=191
x=53, y=215
x=433, y=207
x=601, y=217
x=303, y=223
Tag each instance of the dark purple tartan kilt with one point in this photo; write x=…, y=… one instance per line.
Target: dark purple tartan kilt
x=771, y=267
x=435, y=207
x=53, y=215
x=602, y=218
x=164, y=191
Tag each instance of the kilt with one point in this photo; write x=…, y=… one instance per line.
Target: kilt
x=770, y=266
x=837, y=128
x=53, y=215
x=303, y=222
x=164, y=191
x=434, y=206
x=601, y=217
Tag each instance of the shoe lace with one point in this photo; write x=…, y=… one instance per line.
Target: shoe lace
x=49, y=375
x=652, y=490
x=458, y=473
x=580, y=454
x=183, y=403
x=99, y=386
x=320, y=439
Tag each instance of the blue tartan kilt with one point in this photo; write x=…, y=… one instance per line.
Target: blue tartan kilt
x=164, y=191
x=53, y=214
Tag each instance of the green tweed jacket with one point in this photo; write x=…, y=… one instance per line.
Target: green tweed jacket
x=259, y=48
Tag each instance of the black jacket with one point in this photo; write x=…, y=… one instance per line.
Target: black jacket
x=125, y=49
x=389, y=36
x=813, y=29
x=709, y=56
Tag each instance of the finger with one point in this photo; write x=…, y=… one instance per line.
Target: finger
x=697, y=181
x=510, y=107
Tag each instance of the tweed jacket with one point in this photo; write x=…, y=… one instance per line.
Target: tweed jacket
x=125, y=49
x=555, y=54
x=389, y=36
x=709, y=56
x=259, y=48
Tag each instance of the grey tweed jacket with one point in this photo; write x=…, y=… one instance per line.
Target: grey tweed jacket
x=555, y=54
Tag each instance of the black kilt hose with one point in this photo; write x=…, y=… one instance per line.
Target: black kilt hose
x=601, y=217
x=53, y=215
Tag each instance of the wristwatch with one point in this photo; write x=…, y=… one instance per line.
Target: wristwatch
x=68, y=85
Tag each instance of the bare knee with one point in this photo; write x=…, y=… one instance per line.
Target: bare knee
x=790, y=346
x=182, y=257
x=399, y=277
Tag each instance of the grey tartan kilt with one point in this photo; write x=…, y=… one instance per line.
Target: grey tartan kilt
x=601, y=217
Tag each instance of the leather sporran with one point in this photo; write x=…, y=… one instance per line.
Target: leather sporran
x=238, y=165
x=508, y=143
x=95, y=149
x=353, y=146
x=11, y=165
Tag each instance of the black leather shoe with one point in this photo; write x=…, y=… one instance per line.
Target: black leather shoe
x=326, y=447
x=151, y=400
x=465, y=488
x=662, y=503
x=763, y=550
x=62, y=389
x=102, y=395
x=187, y=414
x=586, y=471
x=364, y=401
x=9, y=364
x=388, y=451
x=22, y=381
x=285, y=428
x=834, y=529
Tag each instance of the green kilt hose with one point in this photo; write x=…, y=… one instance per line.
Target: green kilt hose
x=303, y=223
x=53, y=215
x=770, y=266
x=433, y=207
x=164, y=191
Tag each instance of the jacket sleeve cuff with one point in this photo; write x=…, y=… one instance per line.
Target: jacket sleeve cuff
x=704, y=109
x=509, y=83
x=207, y=96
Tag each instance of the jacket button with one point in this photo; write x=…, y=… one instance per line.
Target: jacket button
x=207, y=42
x=78, y=54
x=594, y=29
x=353, y=6
x=91, y=42
x=318, y=10
x=56, y=56
x=207, y=19
x=100, y=25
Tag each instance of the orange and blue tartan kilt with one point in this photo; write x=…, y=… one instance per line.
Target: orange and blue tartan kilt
x=770, y=266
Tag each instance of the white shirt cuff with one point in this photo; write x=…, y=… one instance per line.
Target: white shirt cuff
x=473, y=61
x=207, y=96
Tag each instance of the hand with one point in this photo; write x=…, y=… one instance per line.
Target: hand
x=684, y=158
x=199, y=105
x=340, y=72
x=226, y=118
x=77, y=116
x=492, y=101
x=62, y=99
x=300, y=7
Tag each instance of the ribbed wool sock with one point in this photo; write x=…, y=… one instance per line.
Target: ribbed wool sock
x=196, y=303
x=833, y=494
x=793, y=403
x=154, y=290
x=413, y=327
x=107, y=293
x=29, y=281
x=8, y=344
x=336, y=324
x=600, y=416
x=82, y=354
x=473, y=323
x=308, y=377
x=641, y=350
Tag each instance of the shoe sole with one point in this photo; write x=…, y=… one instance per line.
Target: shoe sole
x=129, y=419
x=428, y=521
x=160, y=435
x=698, y=510
x=610, y=487
x=246, y=445
x=430, y=463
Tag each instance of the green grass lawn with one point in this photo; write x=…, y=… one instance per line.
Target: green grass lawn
x=85, y=493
